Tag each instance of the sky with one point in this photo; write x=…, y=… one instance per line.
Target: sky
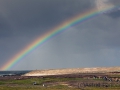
x=94, y=43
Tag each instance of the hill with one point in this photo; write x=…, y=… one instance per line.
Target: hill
x=72, y=71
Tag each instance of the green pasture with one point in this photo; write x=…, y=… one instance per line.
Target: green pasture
x=27, y=84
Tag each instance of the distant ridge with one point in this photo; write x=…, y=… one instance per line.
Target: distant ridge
x=72, y=71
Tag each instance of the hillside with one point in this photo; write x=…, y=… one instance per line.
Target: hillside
x=72, y=71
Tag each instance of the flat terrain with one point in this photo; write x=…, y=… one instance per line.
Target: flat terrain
x=63, y=80
x=89, y=81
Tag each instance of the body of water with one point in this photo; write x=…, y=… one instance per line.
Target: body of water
x=20, y=72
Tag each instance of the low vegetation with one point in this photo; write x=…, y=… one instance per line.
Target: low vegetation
x=55, y=83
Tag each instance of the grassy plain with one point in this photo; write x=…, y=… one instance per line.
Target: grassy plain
x=51, y=84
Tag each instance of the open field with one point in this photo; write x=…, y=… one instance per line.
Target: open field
x=64, y=79
x=57, y=83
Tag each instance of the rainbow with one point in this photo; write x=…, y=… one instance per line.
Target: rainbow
x=51, y=33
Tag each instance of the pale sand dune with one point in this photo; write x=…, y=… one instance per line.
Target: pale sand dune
x=72, y=71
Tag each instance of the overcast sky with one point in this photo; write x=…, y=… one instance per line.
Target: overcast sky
x=94, y=43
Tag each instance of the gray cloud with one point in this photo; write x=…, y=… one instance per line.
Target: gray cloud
x=29, y=13
x=92, y=43
x=115, y=12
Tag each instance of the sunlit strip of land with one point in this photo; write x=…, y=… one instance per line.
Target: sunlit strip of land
x=72, y=71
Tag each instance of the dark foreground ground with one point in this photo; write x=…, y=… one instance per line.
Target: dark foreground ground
x=81, y=81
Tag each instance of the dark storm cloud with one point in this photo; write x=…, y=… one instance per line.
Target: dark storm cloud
x=29, y=14
x=101, y=33
x=94, y=42
x=5, y=28
x=21, y=21
x=115, y=12
x=116, y=2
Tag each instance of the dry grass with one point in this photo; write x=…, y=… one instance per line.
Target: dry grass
x=72, y=71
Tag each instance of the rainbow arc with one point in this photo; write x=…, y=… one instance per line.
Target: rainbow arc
x=65, y=25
